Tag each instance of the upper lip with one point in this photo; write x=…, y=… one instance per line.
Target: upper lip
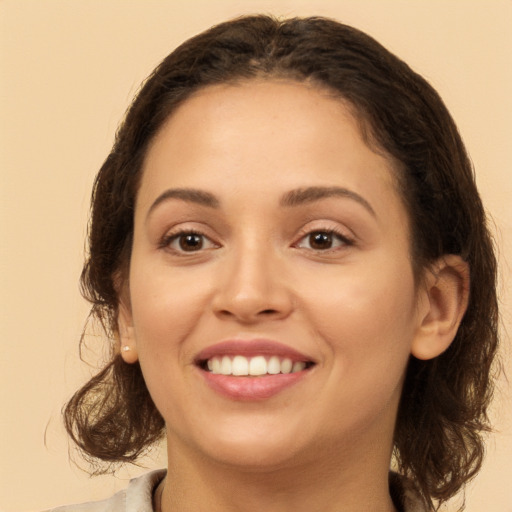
x=251, y=348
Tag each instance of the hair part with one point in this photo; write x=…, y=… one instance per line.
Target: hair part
x=443, y=410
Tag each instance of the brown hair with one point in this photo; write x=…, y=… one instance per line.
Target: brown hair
x=443, y=410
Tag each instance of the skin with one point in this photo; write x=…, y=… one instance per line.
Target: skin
x=354, y=308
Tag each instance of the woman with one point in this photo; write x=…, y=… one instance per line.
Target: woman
x=289, y=253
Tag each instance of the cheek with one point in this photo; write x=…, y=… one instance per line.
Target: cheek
x=377, y=293
x=367, y=321
x=167, y=305
x=167, y=309
x=368, y=333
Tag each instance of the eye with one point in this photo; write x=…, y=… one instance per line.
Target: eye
x=187, y=241
x=323, y=241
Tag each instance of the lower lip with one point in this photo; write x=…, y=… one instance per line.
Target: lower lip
x=252, y=388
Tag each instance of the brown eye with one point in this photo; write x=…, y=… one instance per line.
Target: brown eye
x=190, y=242
x=323, y=241
x=187, y=241
x=320, y=240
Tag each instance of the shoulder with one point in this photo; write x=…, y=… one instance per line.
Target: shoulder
x=137, y=497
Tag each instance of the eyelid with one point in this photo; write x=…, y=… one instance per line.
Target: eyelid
x=174, y=234
x=342, y=238
x=325, y=227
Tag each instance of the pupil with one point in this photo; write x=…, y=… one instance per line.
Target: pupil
x=321, y=240
x=191, y=242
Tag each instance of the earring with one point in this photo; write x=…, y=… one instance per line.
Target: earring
x=129, y=354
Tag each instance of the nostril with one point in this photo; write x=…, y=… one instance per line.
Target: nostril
x=268, y=312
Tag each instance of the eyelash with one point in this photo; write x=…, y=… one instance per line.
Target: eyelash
x=331, y=233
x=168, y=240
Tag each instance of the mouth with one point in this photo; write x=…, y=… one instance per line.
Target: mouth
x=249, y=370
x=255, y=366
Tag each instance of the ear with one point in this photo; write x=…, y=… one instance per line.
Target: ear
x=446, y=293
x=128, y=345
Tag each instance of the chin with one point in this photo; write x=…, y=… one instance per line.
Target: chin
x=252, y=448
x=253, y=458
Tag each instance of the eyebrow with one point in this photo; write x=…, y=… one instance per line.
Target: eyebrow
x=311, y=194
x=190, y=195
x=292, y=198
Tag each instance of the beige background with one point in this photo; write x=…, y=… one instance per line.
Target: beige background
x=68, y=71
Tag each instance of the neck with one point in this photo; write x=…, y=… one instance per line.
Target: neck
x=198, y=484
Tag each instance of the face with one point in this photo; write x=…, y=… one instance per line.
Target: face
x=271, y=299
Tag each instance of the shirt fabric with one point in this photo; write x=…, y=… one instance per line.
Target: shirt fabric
x=138, y=496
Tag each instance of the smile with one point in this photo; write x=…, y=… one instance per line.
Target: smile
x=257, y=366
x=255, y=369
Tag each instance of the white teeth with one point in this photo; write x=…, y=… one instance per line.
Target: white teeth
x=258, y=366
x=298, y=366
x=274, y=365
x=254, y=366
x=226, y=366
x=240, y=366
x=286, y=366
x=216, y=366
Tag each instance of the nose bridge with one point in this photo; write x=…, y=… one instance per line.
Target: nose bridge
x=253, y=283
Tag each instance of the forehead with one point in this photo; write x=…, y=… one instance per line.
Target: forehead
x=293, y=113
x=264, y=134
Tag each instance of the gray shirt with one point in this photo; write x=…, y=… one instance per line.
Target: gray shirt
x=138, y=497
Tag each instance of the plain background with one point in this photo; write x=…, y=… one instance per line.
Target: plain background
x=68, y=71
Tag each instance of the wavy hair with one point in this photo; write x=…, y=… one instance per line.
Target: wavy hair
x=443, y=410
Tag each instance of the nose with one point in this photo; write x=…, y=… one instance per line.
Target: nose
x=253, y=287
